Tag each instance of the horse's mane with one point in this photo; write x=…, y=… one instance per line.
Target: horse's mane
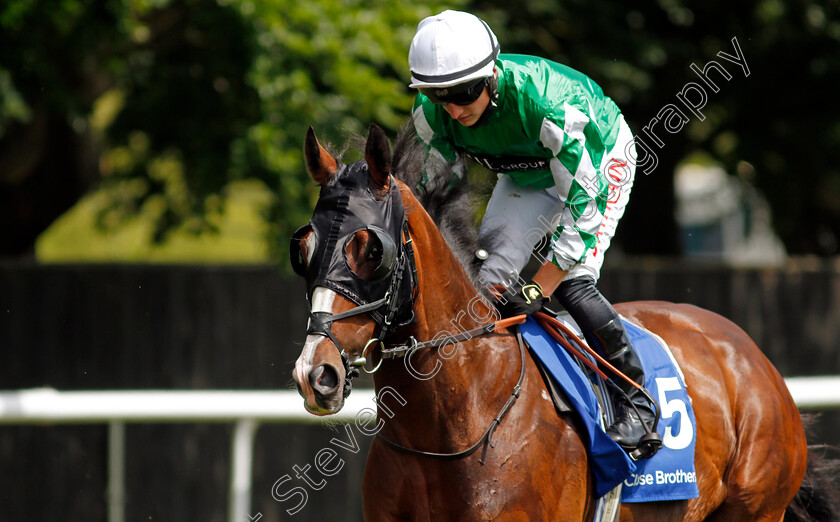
x=451, y=205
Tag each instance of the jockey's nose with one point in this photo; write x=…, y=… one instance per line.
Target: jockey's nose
x=454, y=110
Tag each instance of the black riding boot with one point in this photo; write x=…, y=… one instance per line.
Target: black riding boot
x=593, y=313
x=628, y=429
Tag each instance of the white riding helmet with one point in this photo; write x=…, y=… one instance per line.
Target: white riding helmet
x=451, y=48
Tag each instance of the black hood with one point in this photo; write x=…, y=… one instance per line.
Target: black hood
x=345, y=206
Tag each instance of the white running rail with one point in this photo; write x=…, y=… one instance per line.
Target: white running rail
x=246, y=409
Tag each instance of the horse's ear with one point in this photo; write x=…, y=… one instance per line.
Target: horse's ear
x=320, y=163
x=378, y=158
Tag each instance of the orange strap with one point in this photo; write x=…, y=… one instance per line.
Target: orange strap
x=510, y=321
x=554, y=327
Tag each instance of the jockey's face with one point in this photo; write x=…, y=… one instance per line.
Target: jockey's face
x=467, y=115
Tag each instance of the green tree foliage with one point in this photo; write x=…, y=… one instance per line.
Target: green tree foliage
x=164, y=102
x=186, y=107
x=336, y=65
x=54, y=62
x=173, y=77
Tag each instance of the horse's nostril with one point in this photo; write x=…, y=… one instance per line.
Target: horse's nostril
x=324, y=379
x=328, y=379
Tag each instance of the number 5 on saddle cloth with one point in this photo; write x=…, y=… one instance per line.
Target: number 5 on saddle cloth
x=670, y=474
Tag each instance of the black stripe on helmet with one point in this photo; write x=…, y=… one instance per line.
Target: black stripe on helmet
x=469, y=70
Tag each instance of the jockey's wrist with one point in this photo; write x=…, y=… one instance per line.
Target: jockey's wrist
x=549, y=277
x=525, y=300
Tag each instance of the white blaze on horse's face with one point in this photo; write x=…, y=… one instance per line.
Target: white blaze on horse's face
x=322, y=301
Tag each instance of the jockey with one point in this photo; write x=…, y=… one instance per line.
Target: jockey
x=564, y=159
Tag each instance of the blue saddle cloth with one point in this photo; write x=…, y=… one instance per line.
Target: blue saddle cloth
x=670, y=474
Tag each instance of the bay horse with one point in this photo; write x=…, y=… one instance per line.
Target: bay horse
x=380, y=273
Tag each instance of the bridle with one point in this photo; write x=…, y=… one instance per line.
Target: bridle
x=320, y=323
x=346, y=207
x=395, y=308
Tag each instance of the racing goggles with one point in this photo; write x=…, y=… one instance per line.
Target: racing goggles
x=459, y=94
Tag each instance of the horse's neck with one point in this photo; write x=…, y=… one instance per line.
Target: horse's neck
x=446, y=298
x=452, y=386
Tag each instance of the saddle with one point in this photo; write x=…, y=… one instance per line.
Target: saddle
x=576, y=386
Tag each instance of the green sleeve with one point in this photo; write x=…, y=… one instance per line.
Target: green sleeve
x=574, y=139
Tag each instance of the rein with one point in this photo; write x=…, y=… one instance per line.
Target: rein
x=407, y=349
x=486, y=438
x=559, y=331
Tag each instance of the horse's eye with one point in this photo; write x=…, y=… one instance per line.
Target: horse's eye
x=374, y=251
x=364, y=254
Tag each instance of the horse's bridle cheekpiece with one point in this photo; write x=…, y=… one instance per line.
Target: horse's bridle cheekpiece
x=346, y=206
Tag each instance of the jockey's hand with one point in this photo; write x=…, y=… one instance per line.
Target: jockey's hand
x=527, y=300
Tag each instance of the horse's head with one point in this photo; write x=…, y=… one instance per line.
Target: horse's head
x=358, y=269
